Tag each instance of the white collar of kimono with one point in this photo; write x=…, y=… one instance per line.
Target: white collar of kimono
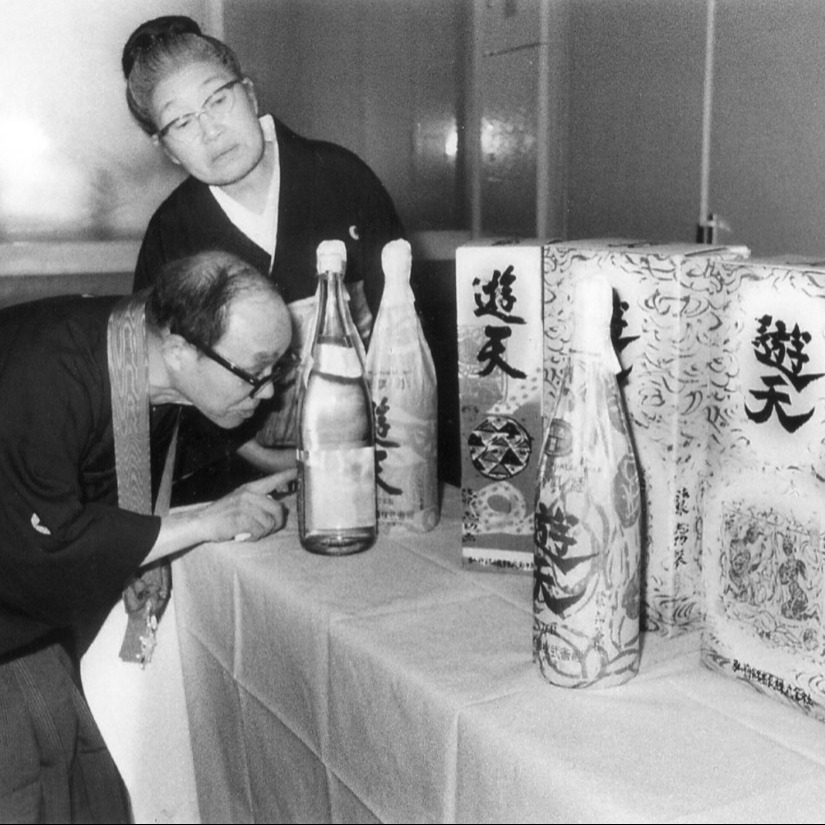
x=262, y=228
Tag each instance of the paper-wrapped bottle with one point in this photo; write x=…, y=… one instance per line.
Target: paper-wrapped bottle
x=336, y=435
x=402, y=381
x=588, y=515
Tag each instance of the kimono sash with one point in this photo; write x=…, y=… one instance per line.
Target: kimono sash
x=147, y=593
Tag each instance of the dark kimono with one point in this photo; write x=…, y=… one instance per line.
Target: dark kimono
x=66, y=551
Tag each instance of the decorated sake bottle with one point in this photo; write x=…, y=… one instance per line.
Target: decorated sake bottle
x=403, y=385
x=588, y=515
x=336, y=434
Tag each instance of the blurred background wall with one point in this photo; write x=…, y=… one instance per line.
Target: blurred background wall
x=560, y=118
x=570, y=118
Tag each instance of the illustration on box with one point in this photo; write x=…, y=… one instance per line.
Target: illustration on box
x=765, y=585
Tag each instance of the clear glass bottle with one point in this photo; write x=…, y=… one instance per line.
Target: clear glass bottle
x=402, y=379
x=336, y=433
x=588, y=515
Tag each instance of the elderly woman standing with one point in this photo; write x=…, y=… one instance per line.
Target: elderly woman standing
x=255, y=188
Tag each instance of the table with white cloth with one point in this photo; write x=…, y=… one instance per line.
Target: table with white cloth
x=396, y=686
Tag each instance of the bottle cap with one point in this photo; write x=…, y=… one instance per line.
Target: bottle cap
x=331, y=256
x=396, y=259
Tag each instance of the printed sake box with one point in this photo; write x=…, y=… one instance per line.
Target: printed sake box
x=499, y=317
x=762, y=538
x=660, y=330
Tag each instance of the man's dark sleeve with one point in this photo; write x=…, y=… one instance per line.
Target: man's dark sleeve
x=66, y=549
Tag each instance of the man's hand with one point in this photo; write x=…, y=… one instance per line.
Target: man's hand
x=249, y=512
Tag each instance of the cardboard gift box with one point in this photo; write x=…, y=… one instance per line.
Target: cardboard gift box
x=661, y=333
x=762, y=532
x=499, y=316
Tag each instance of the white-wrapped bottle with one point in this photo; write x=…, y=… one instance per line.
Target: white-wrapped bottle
x=403, y=385
x=588, y=515
x=336, y=435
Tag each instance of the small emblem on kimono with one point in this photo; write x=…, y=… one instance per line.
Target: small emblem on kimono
x=41, y=528
x=353, y=233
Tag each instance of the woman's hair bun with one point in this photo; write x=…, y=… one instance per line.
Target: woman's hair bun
x=145, y=36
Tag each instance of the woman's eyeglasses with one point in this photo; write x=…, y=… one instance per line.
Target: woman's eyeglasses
x=187, y=128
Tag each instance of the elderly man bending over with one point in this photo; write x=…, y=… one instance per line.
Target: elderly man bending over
x=90, y=391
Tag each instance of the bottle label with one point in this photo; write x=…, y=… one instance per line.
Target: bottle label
x=339, y=488
x=408, y=495
x=335, y=359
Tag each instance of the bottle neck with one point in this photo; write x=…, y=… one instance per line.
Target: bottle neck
x=397, y=289
x=591, y=343
x=592, y=315
x=332, y=322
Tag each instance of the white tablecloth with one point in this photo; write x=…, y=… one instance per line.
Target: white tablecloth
x=396, y=686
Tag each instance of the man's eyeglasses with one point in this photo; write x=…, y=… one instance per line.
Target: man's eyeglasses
x=218, y=105
x=277, y=374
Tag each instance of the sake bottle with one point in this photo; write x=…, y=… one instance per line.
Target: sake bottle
x=588, y=515
x=403, y=385
x=336, y=434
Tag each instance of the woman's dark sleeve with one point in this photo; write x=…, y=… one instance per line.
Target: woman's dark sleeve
x=150, y=258
x=380, y=224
